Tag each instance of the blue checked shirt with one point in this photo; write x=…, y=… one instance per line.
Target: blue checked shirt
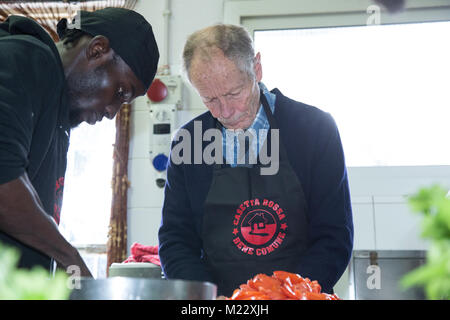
x=258, y=130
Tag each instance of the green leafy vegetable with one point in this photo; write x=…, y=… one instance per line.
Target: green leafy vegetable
x=434, y=204
x=35, y=284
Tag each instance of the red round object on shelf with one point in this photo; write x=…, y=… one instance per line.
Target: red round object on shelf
x=157, y=91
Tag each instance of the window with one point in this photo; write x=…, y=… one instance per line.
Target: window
x=386, y=86
x=87, y=192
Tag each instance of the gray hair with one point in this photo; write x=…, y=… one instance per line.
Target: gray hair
x=234, y=41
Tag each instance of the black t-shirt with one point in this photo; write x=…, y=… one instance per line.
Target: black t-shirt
x=34, y=123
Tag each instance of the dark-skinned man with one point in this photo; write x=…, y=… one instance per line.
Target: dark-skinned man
x=45, y=90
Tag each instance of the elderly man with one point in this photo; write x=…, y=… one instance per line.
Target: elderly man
x=227, y=221
x=45, y=90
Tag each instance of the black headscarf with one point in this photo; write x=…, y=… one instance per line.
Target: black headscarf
x=129, y=34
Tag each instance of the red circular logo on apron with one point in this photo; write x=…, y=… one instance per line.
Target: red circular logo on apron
x=259, y=227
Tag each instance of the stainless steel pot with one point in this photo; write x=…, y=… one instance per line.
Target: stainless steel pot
x=122, y=288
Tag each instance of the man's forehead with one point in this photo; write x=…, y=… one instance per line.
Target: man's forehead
x=214, y=69
x=209, y=57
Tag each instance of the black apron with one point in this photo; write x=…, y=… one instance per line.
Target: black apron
x=253, y=223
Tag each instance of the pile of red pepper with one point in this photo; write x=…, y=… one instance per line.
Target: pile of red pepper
x=281, y=285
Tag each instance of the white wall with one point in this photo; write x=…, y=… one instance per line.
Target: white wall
x=144, y=197
x=381, y=214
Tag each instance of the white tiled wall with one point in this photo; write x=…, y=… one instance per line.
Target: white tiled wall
x=139, y=134
x=142, y=224
x=363, y=220
x=386, y=226
x=397, y=228
x=145, y=198
x=382, y=217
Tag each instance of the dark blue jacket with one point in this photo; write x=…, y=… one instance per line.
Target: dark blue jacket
x=314, y=149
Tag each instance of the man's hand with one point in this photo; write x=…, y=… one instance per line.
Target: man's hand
x=74, y=259
x=23, y=218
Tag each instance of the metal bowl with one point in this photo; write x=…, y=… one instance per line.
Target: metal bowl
x=122, y=288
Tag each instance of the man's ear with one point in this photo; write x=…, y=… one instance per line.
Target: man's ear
x=98, y=48
x=257, y=67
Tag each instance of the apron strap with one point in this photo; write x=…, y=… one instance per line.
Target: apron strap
x=273, y=125
x=268, y=111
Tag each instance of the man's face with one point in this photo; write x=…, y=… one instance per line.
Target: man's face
x=100, y=91
x=229, y=93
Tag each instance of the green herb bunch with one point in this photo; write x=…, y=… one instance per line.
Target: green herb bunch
x=434, y=276
x=35, y=284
